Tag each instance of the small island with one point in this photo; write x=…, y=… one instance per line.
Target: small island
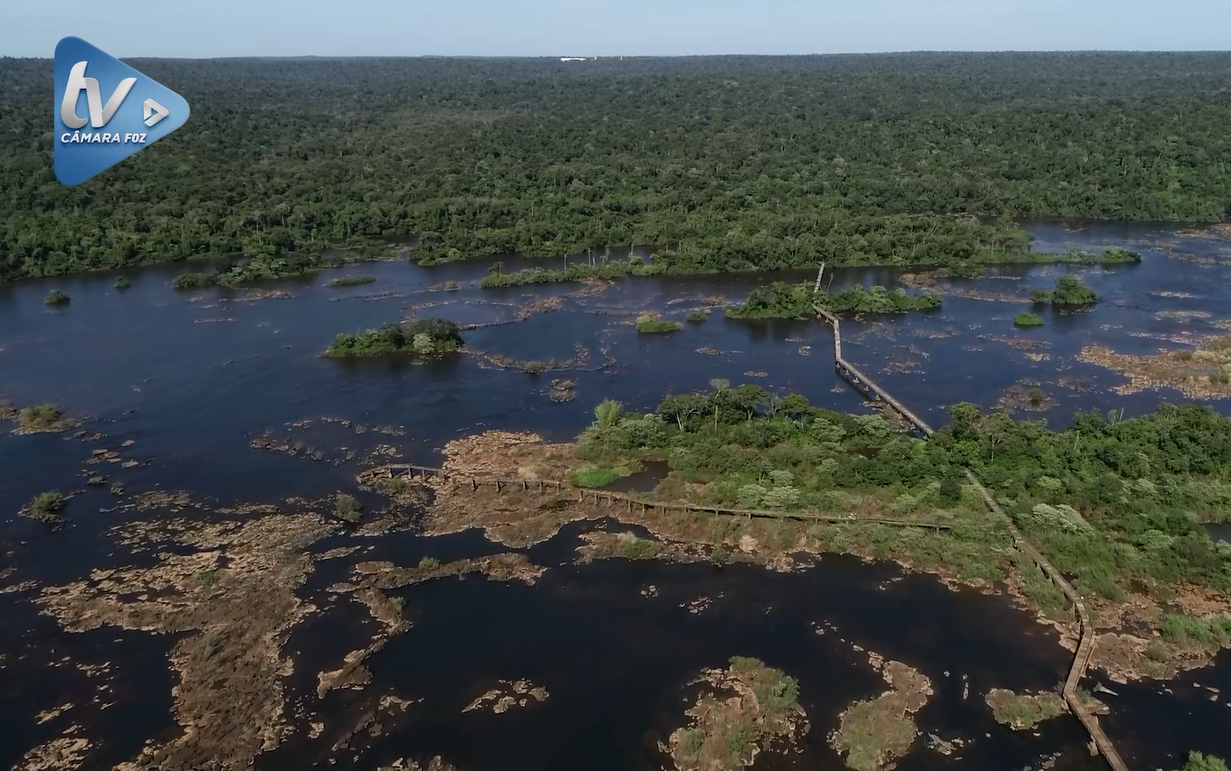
x=426, y=337
x=743, y=711
x=1027, y=320
x=1068, y=294
x=799, y=301
x=343, y=281
x=56, y=297
x=648, y=324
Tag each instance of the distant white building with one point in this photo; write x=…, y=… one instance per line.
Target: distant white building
x=572, y=58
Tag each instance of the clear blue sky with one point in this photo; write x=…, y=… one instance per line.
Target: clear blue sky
x=204, y=28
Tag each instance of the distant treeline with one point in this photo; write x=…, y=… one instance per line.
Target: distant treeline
x=738, y=162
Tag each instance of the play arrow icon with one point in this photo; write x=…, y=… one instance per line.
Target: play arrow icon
x=154, y=112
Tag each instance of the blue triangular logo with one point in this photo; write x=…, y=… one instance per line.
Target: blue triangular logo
x=105, y=111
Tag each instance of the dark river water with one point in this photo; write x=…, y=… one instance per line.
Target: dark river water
x=192, y=378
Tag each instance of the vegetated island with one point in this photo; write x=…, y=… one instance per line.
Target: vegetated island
x=343, y=281
x=872, y=734
x=1118, y=505
x=650, y=324
x=425, y=337
x=36, y=419
x=667, y=172
x=743, y=711
x=1069, y=294
x=797, y=301
x=1027, y=320
x=56, y=297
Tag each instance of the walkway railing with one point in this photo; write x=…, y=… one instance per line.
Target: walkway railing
x=1085, y=648
x=610, y=498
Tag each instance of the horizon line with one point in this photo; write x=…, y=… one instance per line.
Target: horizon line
x=592, y=57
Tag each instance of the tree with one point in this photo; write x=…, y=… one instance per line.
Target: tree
x=680, y=407
x=720, y=387
x=607, y=413
x=1200, y=762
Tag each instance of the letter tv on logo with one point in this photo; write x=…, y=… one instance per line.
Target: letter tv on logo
x=92, y=135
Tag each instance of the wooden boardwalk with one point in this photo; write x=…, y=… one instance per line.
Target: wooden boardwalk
x=1085, y=648
x=630, y=501
x=866, y=385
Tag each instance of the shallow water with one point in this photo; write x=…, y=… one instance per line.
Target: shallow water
x=193, y=378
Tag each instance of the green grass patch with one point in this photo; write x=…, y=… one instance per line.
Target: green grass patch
x=343, y=281
x=1028, y=320
x=649, y=325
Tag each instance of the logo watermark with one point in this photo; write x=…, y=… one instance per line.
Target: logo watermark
x=92, y=136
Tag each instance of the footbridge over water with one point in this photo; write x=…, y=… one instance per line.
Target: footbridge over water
x=866, y=385
x=1099, y=740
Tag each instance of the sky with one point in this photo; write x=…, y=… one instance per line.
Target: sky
x=210, y=28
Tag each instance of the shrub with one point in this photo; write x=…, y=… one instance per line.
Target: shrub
x=1198, y=762
x=39, y=416
x=429, y=563
x=1028, y=320
x=47, y=507
x=422, y=338
x=398, y=604
x=346, y=508
x=1069, y=292
x=698, y=316
x=594, y=476
x=122, y=283
x=56, y=297
x=194, y=281
x=648, y=325
x=342, y=281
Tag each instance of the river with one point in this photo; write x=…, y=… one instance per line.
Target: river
x=193, y=378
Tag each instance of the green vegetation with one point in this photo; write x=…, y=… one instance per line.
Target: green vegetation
x=634, y=266
x=777, y=693
x=1198, y=762
x=122, y=283
x=634, y=548
x=1028, y=320
x=207, y=578
x=725, y=733
x=1211, y=633
x=650, y=325
x=398, y=604
x=735, y=162
x=1022, y=712
x=192, y=281
x=40, y=417
x=342, y=281
x=742, y=447
x=232, y=273
x=346, y=508
x=1111, y=502
x=698, y=316
x=47, y=507
x=429, y=563
x=211, y=646
x=56, y=297
x=594, y=476
x=425, y=337
x=798, y=301
x=1069, y=293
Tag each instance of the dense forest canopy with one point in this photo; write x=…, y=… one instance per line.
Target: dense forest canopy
x=734, y=161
